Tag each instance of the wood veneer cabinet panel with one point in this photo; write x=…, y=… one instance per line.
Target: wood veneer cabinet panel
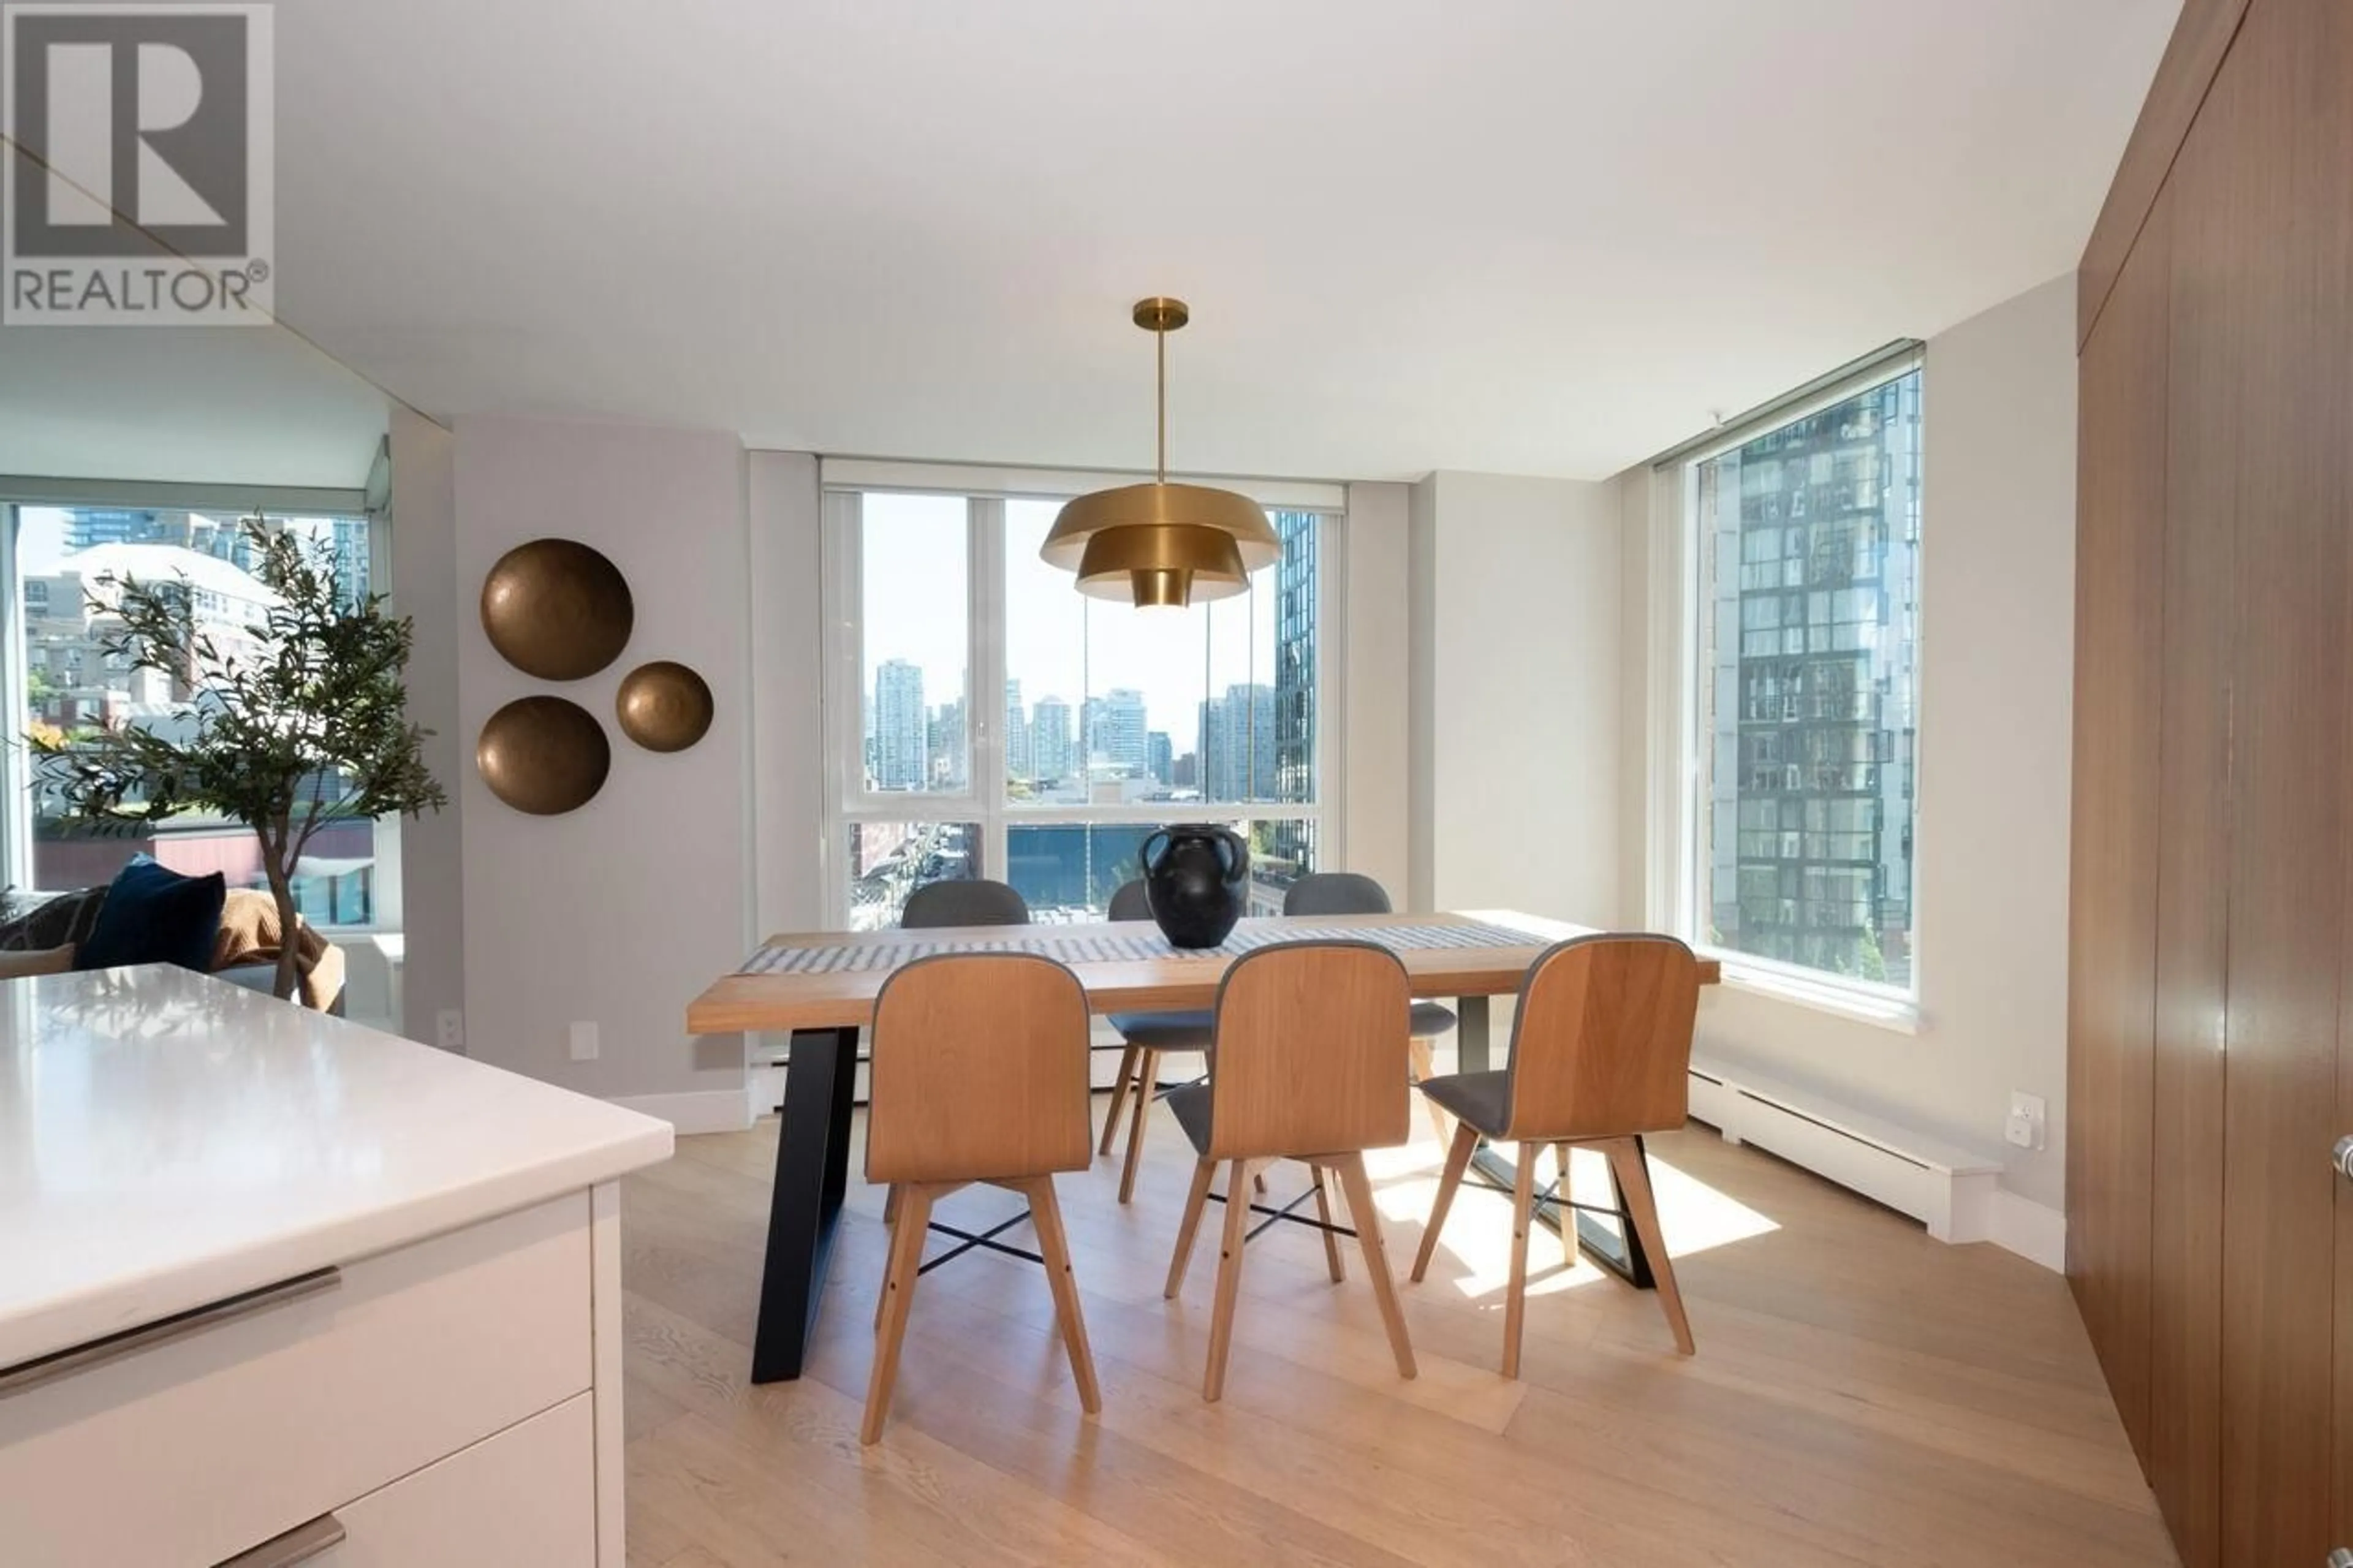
x=2201, y=38
x=2194, y=857
x=2274, y=151
x=2112, y=916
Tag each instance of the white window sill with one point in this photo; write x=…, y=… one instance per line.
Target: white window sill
x=1894, y=1014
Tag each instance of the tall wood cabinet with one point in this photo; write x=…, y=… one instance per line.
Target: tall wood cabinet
x=2211, y=1019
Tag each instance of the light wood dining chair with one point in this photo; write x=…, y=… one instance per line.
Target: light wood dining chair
x=979, y=1075
x=1146, y=1038
x=1309, y=1065
x=1602, y=1048
x=1354, y=893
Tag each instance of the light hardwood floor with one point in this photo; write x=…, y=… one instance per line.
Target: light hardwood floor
x=1861, y=1394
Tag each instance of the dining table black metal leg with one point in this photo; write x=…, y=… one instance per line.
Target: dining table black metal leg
x=1619, y=1251
x=812, y=1176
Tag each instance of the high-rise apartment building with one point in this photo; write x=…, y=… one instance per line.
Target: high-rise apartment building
x=1114, y=728
x=1050, y=748
x=1159, y=758
x=1290, y=840
x=902, y=750
x=1237, y=751
x=945, y=740
x=1813, y=530
x=1019, y=765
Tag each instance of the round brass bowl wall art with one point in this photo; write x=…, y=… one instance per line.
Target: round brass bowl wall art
x=663, y=706
x=557, y=609
x=545, y=755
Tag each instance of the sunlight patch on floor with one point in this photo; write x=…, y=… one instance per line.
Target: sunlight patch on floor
x=1478, y=1236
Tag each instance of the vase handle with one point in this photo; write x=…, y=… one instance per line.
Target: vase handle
x=1145, y=855
x=1233, y=851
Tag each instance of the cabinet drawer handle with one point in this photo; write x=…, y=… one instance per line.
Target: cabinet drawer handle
x=162, y=1331
x=2341, y=1558
x=299, y=1544
x=2342, y=1158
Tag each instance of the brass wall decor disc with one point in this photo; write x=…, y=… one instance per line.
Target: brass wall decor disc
x=545, y=755
x=557, y=609
x=663, y=706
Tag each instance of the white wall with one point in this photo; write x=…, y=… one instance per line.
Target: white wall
x=1515, y=681
x=1375, y=803
x=618, y=913
x=424, y=588
x=1996, y=662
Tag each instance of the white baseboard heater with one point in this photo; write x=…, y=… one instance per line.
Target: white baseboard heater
x=1949, y=1189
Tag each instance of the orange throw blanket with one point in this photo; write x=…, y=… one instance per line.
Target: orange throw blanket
x=249, y=934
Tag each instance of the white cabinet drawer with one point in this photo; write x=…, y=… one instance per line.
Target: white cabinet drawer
x=525, y=1499
x=193, y=1450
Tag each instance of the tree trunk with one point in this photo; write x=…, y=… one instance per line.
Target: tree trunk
x=282, y=888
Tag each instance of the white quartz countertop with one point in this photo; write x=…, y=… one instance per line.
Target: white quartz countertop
x=167, y=1140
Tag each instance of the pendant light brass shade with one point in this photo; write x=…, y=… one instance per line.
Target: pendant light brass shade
x=1158, y=543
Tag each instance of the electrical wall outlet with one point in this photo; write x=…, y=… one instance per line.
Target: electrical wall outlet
x=583, y=1042
x=449, y=1029
x=2025, y=1127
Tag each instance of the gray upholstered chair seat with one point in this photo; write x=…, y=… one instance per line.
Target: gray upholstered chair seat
x=1430, y=1019
x=1185, y=1031
x=1482, y=1098
x=1190, y=1106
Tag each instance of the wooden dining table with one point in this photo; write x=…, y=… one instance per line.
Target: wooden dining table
x=820, y=987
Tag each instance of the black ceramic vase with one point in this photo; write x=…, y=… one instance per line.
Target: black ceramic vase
x=1196, y=876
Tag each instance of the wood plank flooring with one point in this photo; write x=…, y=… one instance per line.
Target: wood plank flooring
x=1862, y=1395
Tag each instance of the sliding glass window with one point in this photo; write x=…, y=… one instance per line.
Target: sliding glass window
x=65, y=565
x=1805, y=551
x=1009, y=727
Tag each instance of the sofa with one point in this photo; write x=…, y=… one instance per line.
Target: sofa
x=49, y=937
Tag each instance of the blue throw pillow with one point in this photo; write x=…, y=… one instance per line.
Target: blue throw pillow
x=154, y=915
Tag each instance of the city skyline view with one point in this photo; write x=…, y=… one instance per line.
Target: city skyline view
x=1126, y=693
x=1210, y=711
x=1810, y=535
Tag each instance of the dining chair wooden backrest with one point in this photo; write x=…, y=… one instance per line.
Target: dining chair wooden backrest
x=1311, y=1051
x=1602, y=1038
x=979, y=1070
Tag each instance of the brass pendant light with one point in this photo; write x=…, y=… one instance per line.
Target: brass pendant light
x=1162, y=544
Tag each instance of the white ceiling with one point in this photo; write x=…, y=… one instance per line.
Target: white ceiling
x=249, y=405
x=1539, y=237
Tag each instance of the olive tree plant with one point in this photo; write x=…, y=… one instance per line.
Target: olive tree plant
x=303, y=723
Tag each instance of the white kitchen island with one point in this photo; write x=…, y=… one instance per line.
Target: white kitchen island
x=277, y=1288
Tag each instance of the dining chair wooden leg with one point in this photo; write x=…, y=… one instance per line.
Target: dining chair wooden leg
x=1229, y=1282
x=1359, y=1187
x=1147, y=1079
x=898, y=1290
x=890, y=1224
x=1633, y=1173
x=1523, y=1219
x=1331, y=1238
x=1425, y=1067
x=1561, y=1194
x=1118, y=1099
x=1458, y=1160
x=1046, y=1217
x=1204, y=1172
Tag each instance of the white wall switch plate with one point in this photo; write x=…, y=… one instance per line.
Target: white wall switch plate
x=583, y=1042
x=449, y=1029
x=2027, y=1120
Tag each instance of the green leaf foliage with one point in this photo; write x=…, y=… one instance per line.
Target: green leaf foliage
x=306, y=724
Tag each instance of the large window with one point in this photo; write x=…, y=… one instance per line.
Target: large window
x=1805, y=540
x=65, y=562
x=1002, y=725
